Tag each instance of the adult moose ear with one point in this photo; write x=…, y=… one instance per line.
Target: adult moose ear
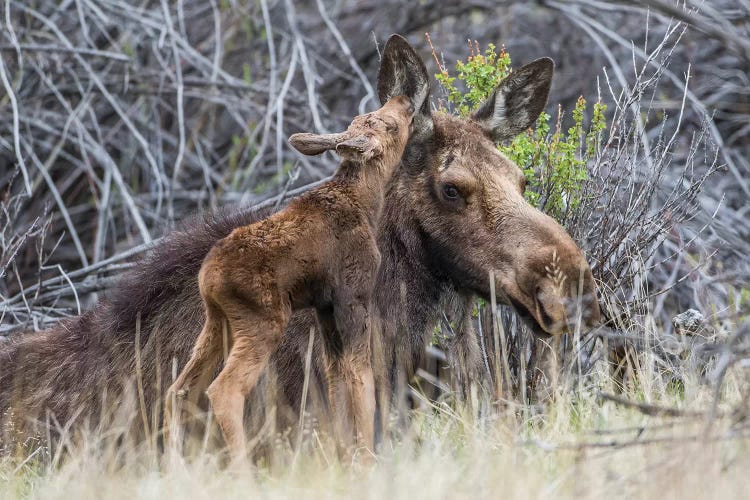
x=517, y=101
x=402, y=72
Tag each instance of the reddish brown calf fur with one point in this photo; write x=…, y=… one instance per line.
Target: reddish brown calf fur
x=320, y=252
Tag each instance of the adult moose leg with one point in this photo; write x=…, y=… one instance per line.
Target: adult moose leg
x=255, y=337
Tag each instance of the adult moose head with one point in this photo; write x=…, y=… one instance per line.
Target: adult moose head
x=457, y=211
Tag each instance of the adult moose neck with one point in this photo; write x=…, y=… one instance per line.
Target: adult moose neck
x=409, y=290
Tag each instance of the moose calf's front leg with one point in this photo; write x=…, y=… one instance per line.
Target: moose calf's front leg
x=362, y=390
x=352, y=386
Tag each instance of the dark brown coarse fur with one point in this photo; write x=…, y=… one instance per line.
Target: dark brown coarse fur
x=85, y=367
x=435, y=251
x=320, y=252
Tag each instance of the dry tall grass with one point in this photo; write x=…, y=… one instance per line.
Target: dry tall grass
x=652, y=441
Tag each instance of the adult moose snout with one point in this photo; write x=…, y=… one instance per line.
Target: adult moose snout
x=554, y=290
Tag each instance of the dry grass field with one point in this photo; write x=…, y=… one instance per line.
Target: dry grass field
x=577, y=449
x=656, y=439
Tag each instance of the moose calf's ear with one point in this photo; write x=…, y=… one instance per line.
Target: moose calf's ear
x=315, y=144
x=360, y=147
x=402, y=72
x=355, y=144
x=517, y=101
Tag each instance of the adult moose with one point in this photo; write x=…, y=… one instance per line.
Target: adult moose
x=454, y=211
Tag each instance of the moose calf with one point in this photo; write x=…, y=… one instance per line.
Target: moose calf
x=319, y=252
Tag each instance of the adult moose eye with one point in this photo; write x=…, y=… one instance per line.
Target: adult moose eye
x=450, y=191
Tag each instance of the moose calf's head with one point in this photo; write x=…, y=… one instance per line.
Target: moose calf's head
x=380, y=135
x=473, y=219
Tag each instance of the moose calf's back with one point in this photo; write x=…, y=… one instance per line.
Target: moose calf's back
x=307, y=236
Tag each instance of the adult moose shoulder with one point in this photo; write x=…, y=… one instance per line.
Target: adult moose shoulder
x=453, y=211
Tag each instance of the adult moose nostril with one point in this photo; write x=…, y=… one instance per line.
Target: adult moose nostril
x=545, y=306
x=545, y=319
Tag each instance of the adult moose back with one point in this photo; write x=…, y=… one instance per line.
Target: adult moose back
x=454, y=211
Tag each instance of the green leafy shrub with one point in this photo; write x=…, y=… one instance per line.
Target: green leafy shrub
x=554, y=161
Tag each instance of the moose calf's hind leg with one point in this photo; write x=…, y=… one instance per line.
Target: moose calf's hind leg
x=338, y=397
x=195, y=376
x=253, y=344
